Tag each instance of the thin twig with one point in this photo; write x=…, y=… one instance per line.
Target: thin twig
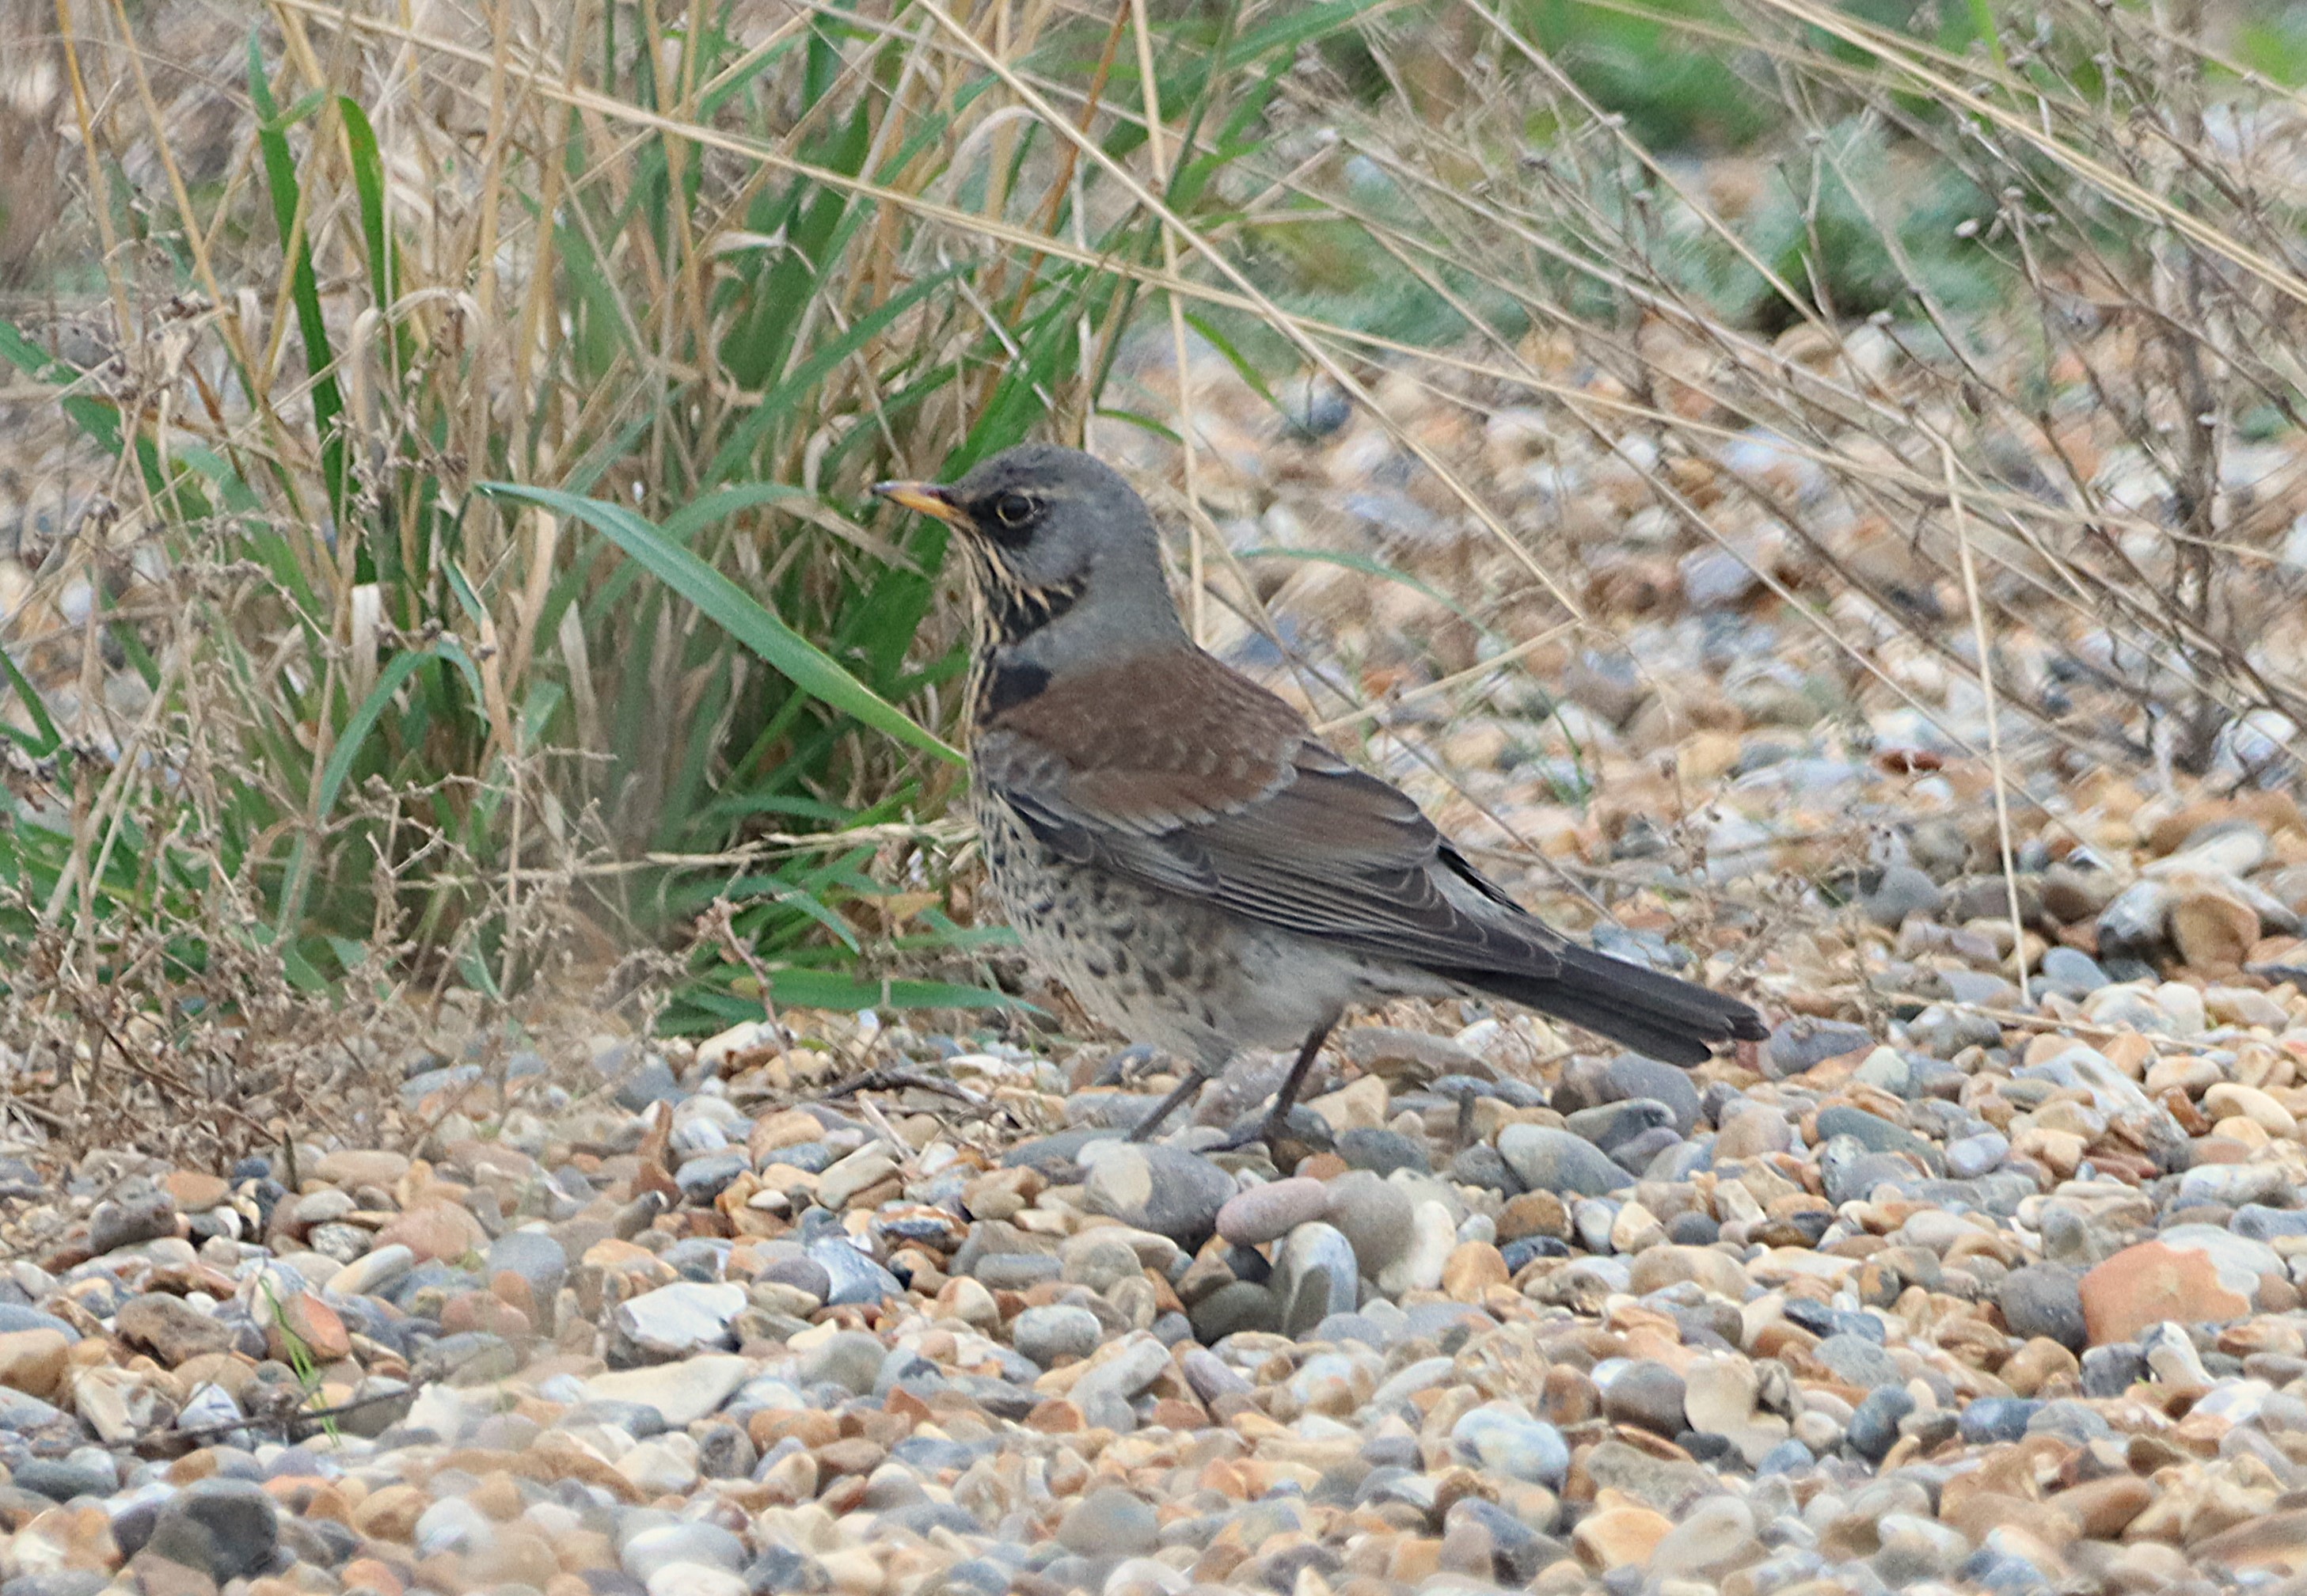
x=1994, y=731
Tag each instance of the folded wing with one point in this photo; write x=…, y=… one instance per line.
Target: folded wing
x=1182, y=774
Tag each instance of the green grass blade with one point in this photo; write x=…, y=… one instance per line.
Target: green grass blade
x=807, y=666
x=281, y=179
x=100, y=420
x=368, y=178
x=50, y=739
x=778, y=405
x=354, y=737
x=1242, y=364
x=699, y=513
x=350, y=742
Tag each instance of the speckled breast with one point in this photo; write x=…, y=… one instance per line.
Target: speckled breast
x=1151, y=965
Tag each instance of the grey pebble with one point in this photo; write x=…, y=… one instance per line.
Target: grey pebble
x=1046, y=1334
x=1381, y=1151
x=1799, y=1044
x=1376, y=1217
x=2044, y=1300
x=225, y=1528
x=1316, y=1276
x=1972, y=1156
x=851, y=1360
x=1877, y=1134
x=1235, y=1306
x=1015, y=1271
x=852, y=1277
x=1855, y=1360
x=1545, y=1159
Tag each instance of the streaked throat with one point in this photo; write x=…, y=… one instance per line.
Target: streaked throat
x=1005, y=613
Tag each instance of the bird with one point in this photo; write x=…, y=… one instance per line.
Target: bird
x=1176, y=845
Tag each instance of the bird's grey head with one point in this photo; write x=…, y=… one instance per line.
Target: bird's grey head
x=1062, y=552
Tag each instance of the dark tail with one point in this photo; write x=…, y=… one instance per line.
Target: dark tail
x=1656, y=1015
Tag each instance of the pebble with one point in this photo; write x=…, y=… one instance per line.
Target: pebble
x=1512, y=1444
x=1973, y=1156
x=682, y=1393
x=1109, y=1522
x=1647, y=1393
x=1059, y=1331
x=1632, y=1075
x=851, y=1277
x=1316, y=1276
x=1381, y=1151
x=1716, y=1536
x=2044, y=1300
x=1271, y=1211
x=1752, y=1129
x=676, y=1320
x=1545, y=1159
x=1154, y=1187
x=1877, y=1134
x=1858, y=1361
x=1874, y=1427
x=1242, y=1305
x=1903, y=891
x=1377, y=1218
x=2154, y=1282
x=1796, y=1046
x=225, y=1529
x=851, y=1360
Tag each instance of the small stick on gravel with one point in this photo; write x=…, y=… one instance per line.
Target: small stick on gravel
x=883, y=1077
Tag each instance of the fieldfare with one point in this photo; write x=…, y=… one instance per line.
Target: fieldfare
x=1174, y=844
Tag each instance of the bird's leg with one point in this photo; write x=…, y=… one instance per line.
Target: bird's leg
x=1277, y=1115
x=1145, y=1127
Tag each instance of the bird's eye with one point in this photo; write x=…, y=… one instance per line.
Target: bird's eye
x=1015, y=510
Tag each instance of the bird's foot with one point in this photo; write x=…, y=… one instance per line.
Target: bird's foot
x=1246, y=1134
x=1125, y=1065
x=1289, y=1136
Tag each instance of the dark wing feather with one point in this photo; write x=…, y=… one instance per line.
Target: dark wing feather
x=1179, y=773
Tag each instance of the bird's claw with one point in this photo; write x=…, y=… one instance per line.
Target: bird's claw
x=1290, y=1135
x=1268, y=1130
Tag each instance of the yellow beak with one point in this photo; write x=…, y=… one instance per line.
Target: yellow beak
x=927, y=498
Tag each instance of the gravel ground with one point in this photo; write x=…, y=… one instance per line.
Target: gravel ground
x=1954, y=1305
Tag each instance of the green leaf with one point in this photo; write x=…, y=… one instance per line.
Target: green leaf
x=1143, y=422
x=368, y=178
x=100, y=420
x=237, y=495
x=303, y=974
x=333, y=776
x=801, y=662
x=468, y=600
x=320, y=360
x=702, y=512
x=824, y=989
x=50, y=741
x=778, y=404
x=1240, y=363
